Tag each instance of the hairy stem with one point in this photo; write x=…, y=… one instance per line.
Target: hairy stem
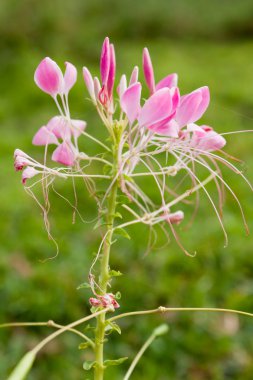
x=104, y=276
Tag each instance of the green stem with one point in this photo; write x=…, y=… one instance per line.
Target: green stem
x=104, y=270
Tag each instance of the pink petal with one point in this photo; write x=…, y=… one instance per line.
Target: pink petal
x=44, y=137
x=29, y=172
x=122, y=85
x=105, y=61
x=169, y=129
x=60, y=127
x=204, y=102
x=148, y=70
x=169, y=81
x=175, y=217
x=134, y=75
x=69, y=77
x=48, y=77
x=97, y=87
x=188, y=108
x=77, y=127
x=158, y=109
x=211, y=141
x=64, y=154
x=89, y=83
x=112, y=71
x=130, y=102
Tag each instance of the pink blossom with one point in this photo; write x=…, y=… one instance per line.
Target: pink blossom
x=94, y=302
x=205, y=138
x=21, y=159
x=48, y=77
x=64, y=154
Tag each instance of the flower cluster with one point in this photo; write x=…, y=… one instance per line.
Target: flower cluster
x=162, y=125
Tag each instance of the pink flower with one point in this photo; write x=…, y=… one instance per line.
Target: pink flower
x=21, y=160
x=64, y=154
x=205, y=138
x=159, y=109
x=28, y=173
x=48, y=77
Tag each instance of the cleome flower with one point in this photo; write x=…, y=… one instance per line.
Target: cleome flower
x=155, y=138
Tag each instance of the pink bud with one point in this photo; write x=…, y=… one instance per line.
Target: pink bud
x=134, y=75
x=175, y=217
x=69, y=77
x=94, y=302
x=112, y=71
x=19, y=152
x=89, y=83
x=44, y=137
x=20, y=162
x=48, y=77
x=97, y=87
x=29, y=172
x=105, y=61
x=148, y=71
x=64, y=154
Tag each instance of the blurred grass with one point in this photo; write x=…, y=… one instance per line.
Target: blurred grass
x=198, y=346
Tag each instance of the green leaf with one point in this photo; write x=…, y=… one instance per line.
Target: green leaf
x=84, y=345
x=115, y=273
x=88, y=365
x=23, y=368
x=122, y=232
x=112, y=326
x=84, y=285
x=108, y=363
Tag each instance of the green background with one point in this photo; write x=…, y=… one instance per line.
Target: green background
x=207, y=43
